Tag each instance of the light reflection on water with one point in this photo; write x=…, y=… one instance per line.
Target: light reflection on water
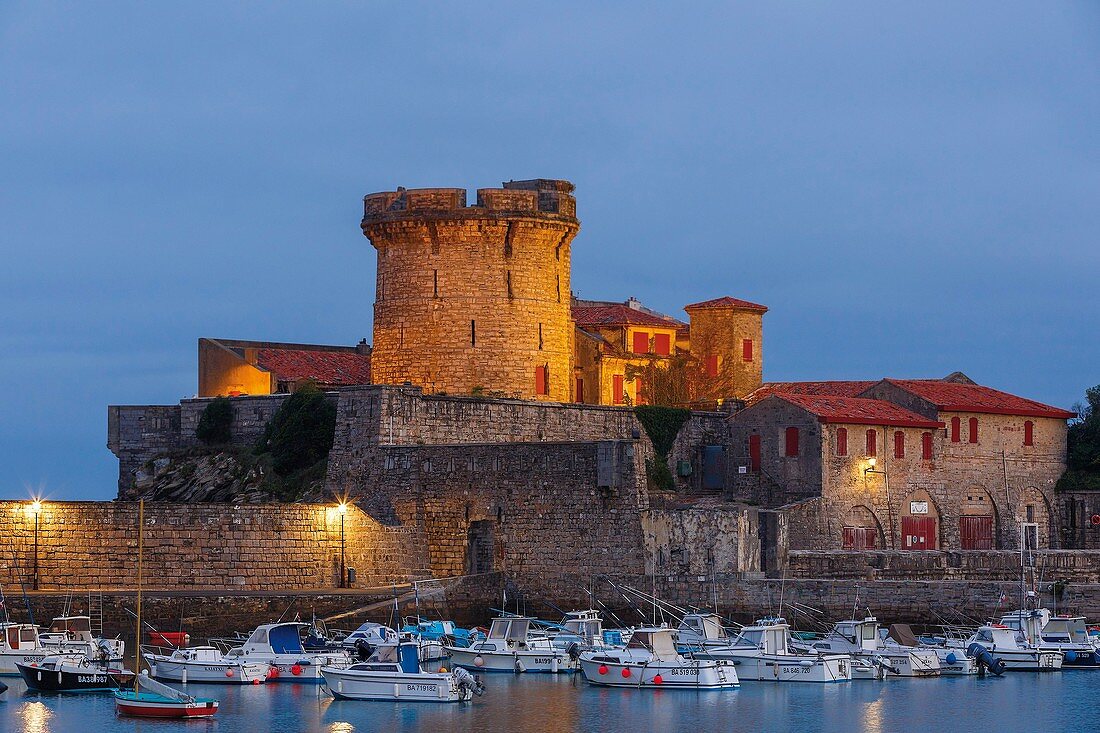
x=1064, y=701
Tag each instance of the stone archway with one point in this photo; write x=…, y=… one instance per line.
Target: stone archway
x=977, y=520
x=1032, y=508
x=862, y=530
x=920, y=522
x=479, y=547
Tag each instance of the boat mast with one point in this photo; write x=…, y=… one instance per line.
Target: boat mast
x=137, y=641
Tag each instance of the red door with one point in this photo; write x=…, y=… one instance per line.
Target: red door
x=918, y=533
x=976, y=533
x=754, y=453
x=860, y=538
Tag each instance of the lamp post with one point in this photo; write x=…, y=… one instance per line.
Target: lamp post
x=36, y=509
x=343, y=510
x=871, y=462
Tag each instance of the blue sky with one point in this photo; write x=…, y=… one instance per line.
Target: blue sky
x=912, y=189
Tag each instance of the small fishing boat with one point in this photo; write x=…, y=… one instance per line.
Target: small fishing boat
x=19, y=643
x=1010, y=647
x=434, y=636
x=1067, y=634
x=202, y=664
x=73, y=634
x=513, y=646
x=860, y=640
x=760, y=652
x=279, y=647
x=584, y=628
x=73, y=673
x=650, y=660
x=162, y=701
x=900, y=637
x=393, y=672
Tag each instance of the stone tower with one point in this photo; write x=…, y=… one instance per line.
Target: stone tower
x=474, y=298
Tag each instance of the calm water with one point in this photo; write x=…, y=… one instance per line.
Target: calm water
x=1065, y=701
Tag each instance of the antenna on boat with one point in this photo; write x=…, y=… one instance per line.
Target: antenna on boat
x=137, y=641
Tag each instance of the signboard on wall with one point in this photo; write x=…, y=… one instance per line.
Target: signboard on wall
x=918, y=507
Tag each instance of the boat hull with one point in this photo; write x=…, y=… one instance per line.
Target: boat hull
x=172, y=670
x=90, y=680
x=785, y=668
x=427, y=687
x=693, y=675
x=143, y=706
x=9, y=658
x=922, y=663
x=542, y=661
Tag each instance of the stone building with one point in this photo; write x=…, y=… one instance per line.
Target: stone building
x=901, y=464
x=234, y=368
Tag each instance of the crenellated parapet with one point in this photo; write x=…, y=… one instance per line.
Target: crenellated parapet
x=536, y=198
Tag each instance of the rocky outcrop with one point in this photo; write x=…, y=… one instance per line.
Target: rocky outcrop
x=222, y=476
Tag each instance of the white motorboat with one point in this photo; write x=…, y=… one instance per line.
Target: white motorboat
x=202, y=664
x=73, y=635
x=1067, y=634
x=1010, y=647
x=19, y=643
x=650, y=660
x=279, y=646
x=584, y=628
x=512, y=646
x=760, y=652
x=393, y=673
x=900, y=637
x=860, y=640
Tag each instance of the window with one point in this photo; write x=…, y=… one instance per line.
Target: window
x=662, y=344
x=580, y=390
x=1029, y=432
x=641, y=342
x=926, y=446
x=899, y=444
x=473, y=333
x=435, y=283
x=973, y=430
x=791, y=442
x=754, y=453
x=542, y=381
x=872, y=443
x=956, y=428
x=540, y=337
x=509, y=280
x=639, y=391
x=746, y=349
x=842, y=441
x=617, y=389
x=712, y=366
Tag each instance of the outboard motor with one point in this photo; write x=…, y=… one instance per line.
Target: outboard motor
x=985, y=659
x=467, y=681
x=363, y=650
x=880, y=662
x=574, y=651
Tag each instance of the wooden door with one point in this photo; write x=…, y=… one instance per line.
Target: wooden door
x=976, y=532
x=918, y=533
x=754, y=453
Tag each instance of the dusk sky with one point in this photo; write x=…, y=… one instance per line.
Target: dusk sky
x=912, y=190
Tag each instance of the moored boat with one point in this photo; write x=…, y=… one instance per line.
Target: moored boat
x=393, y=672
x=860, y=639
x=650, y=660
x=279, y=646
x=19, y=643
x=202, y=664
x=512, y=646
x=1010, y=647
x=72, y=673
x=1066, y=634
x=162, y=701
x=900, y=637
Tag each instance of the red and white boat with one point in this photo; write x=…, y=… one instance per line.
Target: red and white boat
x=162, y=701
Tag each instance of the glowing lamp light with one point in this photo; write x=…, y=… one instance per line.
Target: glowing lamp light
x=36, y=506
x=871, y=462
x=343, y=508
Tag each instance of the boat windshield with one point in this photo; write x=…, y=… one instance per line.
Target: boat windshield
x=285, y=639
x=753, y=638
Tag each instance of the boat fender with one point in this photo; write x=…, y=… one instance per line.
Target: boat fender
x=296, y=670
x=272, y=673
x=519, y=666
x=228, y=673
x=256, y=681
x=951, y=658
x=807, y=663
x=602, y=669
x=1071, y=656
x=626, y=671
x=479, y=661
x=658, y=679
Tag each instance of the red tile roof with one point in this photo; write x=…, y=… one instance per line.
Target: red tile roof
x=727, y=302
x=858, y=411
x=617, y=314
x=835, y=388
x=334, y=368
x=956, y=397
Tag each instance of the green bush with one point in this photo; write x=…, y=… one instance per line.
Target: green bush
x=657, y=470
x=216, y=422
x=301, y=432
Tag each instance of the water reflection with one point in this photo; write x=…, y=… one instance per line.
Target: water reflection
x=36, y=717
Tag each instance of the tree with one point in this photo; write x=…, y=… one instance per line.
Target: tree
x=301, y=432
x=1083, y=446
x=216, y=422
x=682, y=380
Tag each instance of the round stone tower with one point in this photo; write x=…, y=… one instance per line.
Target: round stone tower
x=474, y=299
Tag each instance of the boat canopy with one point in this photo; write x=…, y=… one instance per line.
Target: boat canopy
x=863, y=634
x=706, y=626
x=1072, y=629
x=20, y=636
x=510, y=629
x=657, y=641
x=903, y=635
x=279, y=638
x=71, y=624
x=1002, y=636
x=770, y=639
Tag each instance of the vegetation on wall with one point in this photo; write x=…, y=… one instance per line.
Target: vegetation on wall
x=1083, y=459
x=682, y=380
x=662, y=425
x=216, y=422
x=301, y=432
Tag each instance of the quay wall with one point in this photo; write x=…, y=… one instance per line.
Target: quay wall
x=1077, y=566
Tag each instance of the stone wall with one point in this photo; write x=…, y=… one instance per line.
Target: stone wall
x=720, y=332
x=201, y=546
x=991, y=565
x=702, y=540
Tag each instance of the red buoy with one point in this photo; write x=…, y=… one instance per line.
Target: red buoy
x=272, y=673
x=228, y=673
x=602, y=669
x=658, y=679
x=296, y=669
x=626, y=671
x=255, y=682
x=1095, y=519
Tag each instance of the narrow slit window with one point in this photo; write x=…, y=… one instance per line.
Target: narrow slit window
x=1029, y=432
x=540, y=337
x=473, y=333
x=435, y=283
x=872, y=444
x=509, y=280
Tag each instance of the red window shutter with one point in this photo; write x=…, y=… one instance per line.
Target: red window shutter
x=540, y=380
x=842, y=441
x=973, y=430
x=926, y=446
x=746, y=349
x=899, y=444
x=1029, y=432
x=639, y=391
x=712, y=366
x=754, y=453
x=580, y=390
x=617, y=389
x=641, y=342
x=849, y=538
x=956, y=428
x=792, y=442
x=872, y=443
x=662, y=344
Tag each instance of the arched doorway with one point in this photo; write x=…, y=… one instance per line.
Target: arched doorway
x=1033, y=519
x=977, y=521
x=862, y=530
x=920, y=520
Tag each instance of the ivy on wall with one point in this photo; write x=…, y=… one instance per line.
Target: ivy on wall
x=662, y=425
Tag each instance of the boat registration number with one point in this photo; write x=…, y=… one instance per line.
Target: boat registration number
x=416, y=687
x=794, y=670
x=92, y=678
x=544, y=660
x=684, y=672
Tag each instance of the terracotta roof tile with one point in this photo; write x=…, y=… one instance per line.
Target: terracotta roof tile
x=956, y=397
x=617, y=314
x=727, y=302
x=835, y=388
x=332, y=368
x=858, y=411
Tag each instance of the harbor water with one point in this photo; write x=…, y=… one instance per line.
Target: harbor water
x=1054, y=702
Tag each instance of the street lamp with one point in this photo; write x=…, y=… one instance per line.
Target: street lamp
x=36, y=509
x=343, y=510
x=871, y=462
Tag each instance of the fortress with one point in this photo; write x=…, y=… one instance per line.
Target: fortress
x=491, y=427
